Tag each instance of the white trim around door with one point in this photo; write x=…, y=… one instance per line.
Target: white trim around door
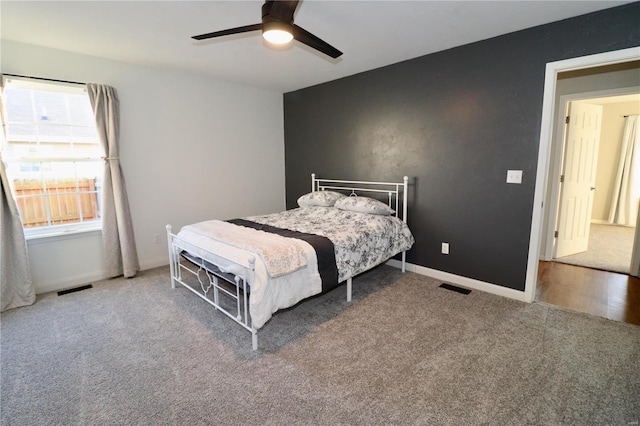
x=546, y=134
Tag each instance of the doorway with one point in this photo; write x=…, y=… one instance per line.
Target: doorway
x=589, y=236
x=539, y=222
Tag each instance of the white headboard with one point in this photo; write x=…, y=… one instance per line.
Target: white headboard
x=396, y=192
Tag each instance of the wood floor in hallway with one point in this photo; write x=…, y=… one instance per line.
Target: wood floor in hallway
x=605, y=294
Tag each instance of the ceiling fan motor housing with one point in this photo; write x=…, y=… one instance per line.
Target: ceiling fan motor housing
x=273, y=21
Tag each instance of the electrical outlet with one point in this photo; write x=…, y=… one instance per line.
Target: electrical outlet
x=156, y=239
x=445, y=248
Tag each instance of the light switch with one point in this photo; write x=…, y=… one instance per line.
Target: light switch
x=445, y=248
x=514, y=176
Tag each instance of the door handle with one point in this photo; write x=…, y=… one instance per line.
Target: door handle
x=594, y=188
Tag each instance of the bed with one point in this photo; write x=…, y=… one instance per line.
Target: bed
x=249, y=268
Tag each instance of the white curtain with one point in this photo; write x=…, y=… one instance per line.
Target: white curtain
x=121, y=257
x=16, y=288
x=626, y=190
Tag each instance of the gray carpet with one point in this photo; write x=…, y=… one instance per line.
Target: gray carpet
x=404, y=352
x=610, y=248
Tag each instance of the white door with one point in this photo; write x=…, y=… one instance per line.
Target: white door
x=578, y=178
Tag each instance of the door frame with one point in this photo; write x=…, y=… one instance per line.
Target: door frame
x=544, y=148
x=557, y=148
x=635, y=253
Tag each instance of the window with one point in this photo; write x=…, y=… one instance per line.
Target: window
x=52, y=154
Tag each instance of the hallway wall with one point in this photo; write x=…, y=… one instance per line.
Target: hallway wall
x=609, y=155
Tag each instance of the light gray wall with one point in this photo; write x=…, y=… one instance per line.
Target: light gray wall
x=191, y=149
x=609, y=155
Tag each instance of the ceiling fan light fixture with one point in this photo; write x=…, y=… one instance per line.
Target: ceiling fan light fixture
x=277, y=32
x=278, y=28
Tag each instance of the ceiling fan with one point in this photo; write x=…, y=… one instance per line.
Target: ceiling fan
x=277, y=27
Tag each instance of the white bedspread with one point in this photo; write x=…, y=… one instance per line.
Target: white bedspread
x=280, y=255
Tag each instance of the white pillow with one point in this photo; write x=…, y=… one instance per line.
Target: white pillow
x=364, y=205
x=320, y=198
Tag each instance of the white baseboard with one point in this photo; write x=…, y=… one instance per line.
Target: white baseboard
x=461, y=281
x=154, y=263
x=82, y=279
x=68, y=282
x=606, y=222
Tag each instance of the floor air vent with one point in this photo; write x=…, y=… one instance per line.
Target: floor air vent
x=456, y=289
x=73, y=290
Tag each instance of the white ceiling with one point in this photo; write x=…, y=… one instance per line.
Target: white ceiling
x=371, y=34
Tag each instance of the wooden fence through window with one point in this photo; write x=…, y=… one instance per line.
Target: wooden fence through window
x=66, y=203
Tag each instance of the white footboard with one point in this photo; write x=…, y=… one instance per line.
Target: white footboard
x=226, y=292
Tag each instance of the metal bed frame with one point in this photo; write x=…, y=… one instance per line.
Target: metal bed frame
x=235, y=287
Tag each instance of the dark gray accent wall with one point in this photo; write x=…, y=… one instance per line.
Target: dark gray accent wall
x=454, y=122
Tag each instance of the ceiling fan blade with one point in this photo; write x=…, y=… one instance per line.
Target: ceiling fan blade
x=304, y=36
x=283, y=10
x=230, y=31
